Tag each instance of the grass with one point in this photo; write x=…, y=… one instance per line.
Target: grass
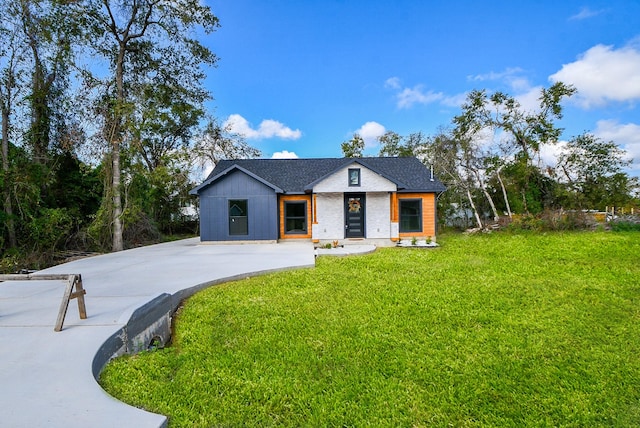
x=492, y=330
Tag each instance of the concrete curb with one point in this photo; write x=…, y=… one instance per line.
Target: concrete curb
x=152, y=322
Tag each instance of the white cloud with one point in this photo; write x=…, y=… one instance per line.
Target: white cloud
x=369, y=132
x=520, y=86
x=549, y=153
x=530, y=99
x=285, y=154
x=454, y=100
x=512, y=76
x=586, y=13
x=408, y=97
x=393, y=83
x=268, y=128
x=603, y=74
x=528, y=96
x=507, y=74
x=417, y=95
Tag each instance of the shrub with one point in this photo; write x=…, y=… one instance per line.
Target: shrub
x=626, y=223
x=553, y=220
x=51, y=228
x=526, y=222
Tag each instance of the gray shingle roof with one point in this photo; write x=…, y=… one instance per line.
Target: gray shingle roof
x=299, y=175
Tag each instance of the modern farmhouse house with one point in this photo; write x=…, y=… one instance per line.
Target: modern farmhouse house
x=380, y=200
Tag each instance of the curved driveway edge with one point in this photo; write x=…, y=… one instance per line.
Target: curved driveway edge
x=47, y=378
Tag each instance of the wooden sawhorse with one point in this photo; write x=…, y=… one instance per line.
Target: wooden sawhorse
x=74, y=281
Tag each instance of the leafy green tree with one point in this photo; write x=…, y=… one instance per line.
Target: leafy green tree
x=35, y=59
x=392, y=144
x=49, y=29
x=11, y=54
x=157, y=196
x=77, y=187
x=530, y=190
x=354, y=147
x=143, y=40
x=524, y=131
x=163, y=123
x=594, y=172
x=164, y=120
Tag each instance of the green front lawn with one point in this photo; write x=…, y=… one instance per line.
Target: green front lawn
x=492, y=330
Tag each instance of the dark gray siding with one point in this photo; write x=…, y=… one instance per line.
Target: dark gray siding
x=262, y=209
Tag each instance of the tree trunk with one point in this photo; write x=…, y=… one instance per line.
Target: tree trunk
x=496, y=217
x=40, y=114
x=475, y=210
x=118, y=244
x=116, y=140
x=504, y=194
x=8, y=207
x=40, y=86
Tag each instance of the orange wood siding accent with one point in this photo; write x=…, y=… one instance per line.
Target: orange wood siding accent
x=315, y=212
x=394, y=207
x=281, y=202
x=428, y=214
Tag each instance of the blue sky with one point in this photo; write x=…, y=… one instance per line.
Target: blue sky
x=301, y=76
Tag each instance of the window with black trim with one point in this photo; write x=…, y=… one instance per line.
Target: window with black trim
x=238, y=220
x=354, y=176
x=410, y=215
x=295, y=217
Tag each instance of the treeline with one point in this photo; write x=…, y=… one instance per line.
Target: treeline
x=104, y=121
x=102, y=107
x=490, y=158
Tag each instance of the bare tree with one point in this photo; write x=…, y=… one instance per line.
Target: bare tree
x=218, y=141
x=444, y=155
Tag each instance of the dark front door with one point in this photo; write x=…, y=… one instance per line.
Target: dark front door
x=354, y=215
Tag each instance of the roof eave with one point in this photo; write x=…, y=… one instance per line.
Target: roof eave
x=431, y=190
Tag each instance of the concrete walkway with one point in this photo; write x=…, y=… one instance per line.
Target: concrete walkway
x=46, y=378
x=346, y=250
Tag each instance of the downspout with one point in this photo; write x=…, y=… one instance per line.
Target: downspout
x=435, y=209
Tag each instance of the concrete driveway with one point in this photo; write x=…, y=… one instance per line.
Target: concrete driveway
x=46, y=377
